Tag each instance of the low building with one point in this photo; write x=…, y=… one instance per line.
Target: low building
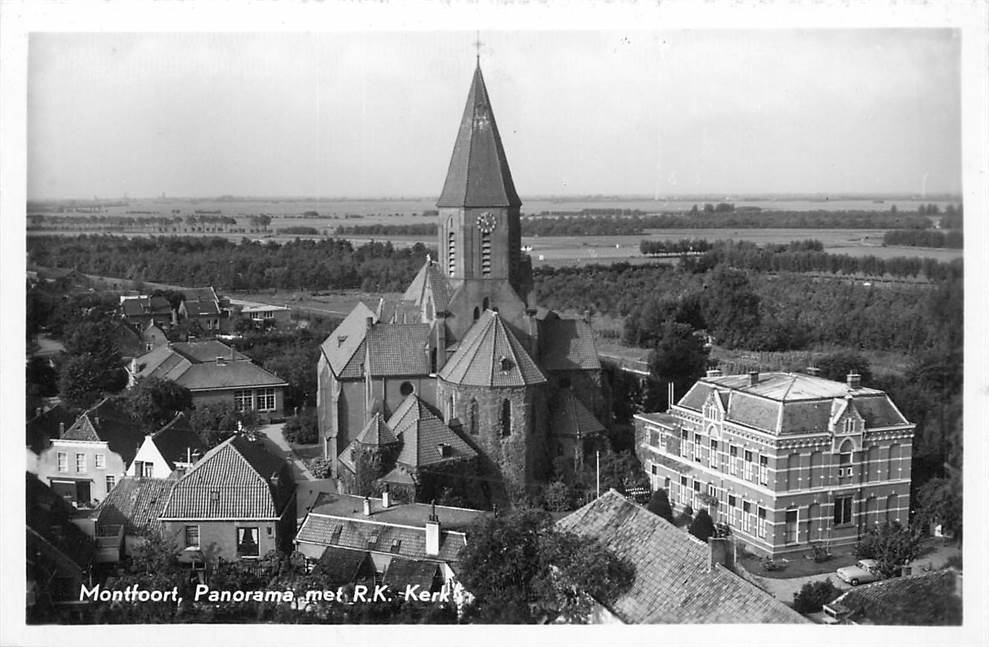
x=142, y=311
x=172, y=450
x=786, y=460
x=416, y=532
x=214, y=373
x=678, y=578
x=203, y=306
x=237, y=502
x=87, y=459
x=134, y=505
x=933, y=599
x=263, y=314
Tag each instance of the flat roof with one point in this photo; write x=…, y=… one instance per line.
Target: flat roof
x=403, y=514
x=658, y=417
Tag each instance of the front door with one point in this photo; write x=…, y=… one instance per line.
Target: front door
x=82, y=492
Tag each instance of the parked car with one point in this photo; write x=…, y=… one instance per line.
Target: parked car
x=864, y=570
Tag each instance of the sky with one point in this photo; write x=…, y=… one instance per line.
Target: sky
x=375, y=114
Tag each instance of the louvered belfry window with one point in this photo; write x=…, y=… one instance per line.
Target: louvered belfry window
x=451, y=253
x=485, y=253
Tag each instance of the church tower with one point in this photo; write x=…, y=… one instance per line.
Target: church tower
x=480, y=235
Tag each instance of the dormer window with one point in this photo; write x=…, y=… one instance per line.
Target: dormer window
x=506, y=364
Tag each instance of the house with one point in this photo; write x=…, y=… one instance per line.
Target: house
x=84, y=461
x=214, y=373
x=678, y=578
x=923, y=599
x=142, y=310
x=59, y=554
x=172, y=450
x=389, y=531
x=339, y=567
x=258, y=313
x=40, y=429
x=787, y=460
x=135, y=505
x=237, y=502
x=466, y=337
x=153, y=336
x=203, y=306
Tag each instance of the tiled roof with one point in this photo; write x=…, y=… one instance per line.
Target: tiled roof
x=407, y=413
x=109, y=423
x=341, y=566
x=421, y=442
x=429, y=283
x=145, y=306
x=567, y=344
x=787, y=403
x=376, y=432
x=232, y=481
x=478, y=175
x=897, y=601
x=569, y=417
x=195, y=366
x=491, y=355
x=356, y=534
x=135, y=503
x=346, y=457
x=200, y=302
x=398, y=349
x=674, y=582
x=345, y=343
x=406, y=572
x=176, y=440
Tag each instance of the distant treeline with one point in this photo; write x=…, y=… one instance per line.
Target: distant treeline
x=759, y=311
x=328, y=264
x=298, y=231
x=612, y=213
x=807, y=257
x=674, y=246
x=924, y=238
x=419, y=229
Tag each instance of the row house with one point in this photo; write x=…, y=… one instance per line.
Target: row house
x=786, y=460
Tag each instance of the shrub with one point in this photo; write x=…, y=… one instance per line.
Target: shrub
x=301, y=429
x=659, y=504
x=702, y=526
x=321, y=468
x=814, y=595
x=685, y=517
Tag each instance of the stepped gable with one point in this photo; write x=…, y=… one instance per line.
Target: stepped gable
x=376, y=432
x=343, y=348
x=478, y=175
x=490, y=355
x=430, y=441
x=571, y=418
x=429, y=283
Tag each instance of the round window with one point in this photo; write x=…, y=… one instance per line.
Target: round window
x=406, y=389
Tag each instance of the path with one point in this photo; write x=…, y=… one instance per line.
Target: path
x=275, y=442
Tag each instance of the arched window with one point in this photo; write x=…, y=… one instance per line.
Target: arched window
x=432, y=360
x=474, y=414
x=485, y=304
x=477, y=313
x=506, y=418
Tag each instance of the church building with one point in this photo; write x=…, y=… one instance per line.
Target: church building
x=463, y=366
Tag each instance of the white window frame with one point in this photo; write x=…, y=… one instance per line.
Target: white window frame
x=101, y=461
x=749, y=465
x=111, y=481
x=265, y=399
x=81, y=459
x=761, y=520
x=244, y=399
x=186, y=537
x=763, y=470
x=62, y=461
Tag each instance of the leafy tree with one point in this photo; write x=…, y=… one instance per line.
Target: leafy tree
x=679, y=357
x=731, y=307
x=557, y=496
x=837, y=366
x=41, y=374
x=685, y=518
x=891, y=545
x=301, y=429
x=659, y=504
x=619, y=471
x=814, y=595
x=940, y=501
x=321, y=468
x=702, y=526
x=215, y=422
x=522, y=570
x=153, y=402
x=83, y=379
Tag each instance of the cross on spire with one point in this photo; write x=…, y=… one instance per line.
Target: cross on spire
x=477, y=47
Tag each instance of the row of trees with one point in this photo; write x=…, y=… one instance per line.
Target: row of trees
x=924, y=238
x=301, y=264
x=428, y=229
x=674, y=246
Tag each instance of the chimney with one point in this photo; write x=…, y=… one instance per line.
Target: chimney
x=722, y=551
x=368, y=322
x=433, y=533
x=340, y=340
x=386, y=498
x=813, y=371
x=713, y=372
x=854, y=381
x=753, y=378
x=367, y=507
x=61, y=429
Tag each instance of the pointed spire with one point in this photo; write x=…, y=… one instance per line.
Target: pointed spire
x=478, y=175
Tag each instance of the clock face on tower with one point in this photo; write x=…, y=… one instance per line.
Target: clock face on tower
x=486, y=222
